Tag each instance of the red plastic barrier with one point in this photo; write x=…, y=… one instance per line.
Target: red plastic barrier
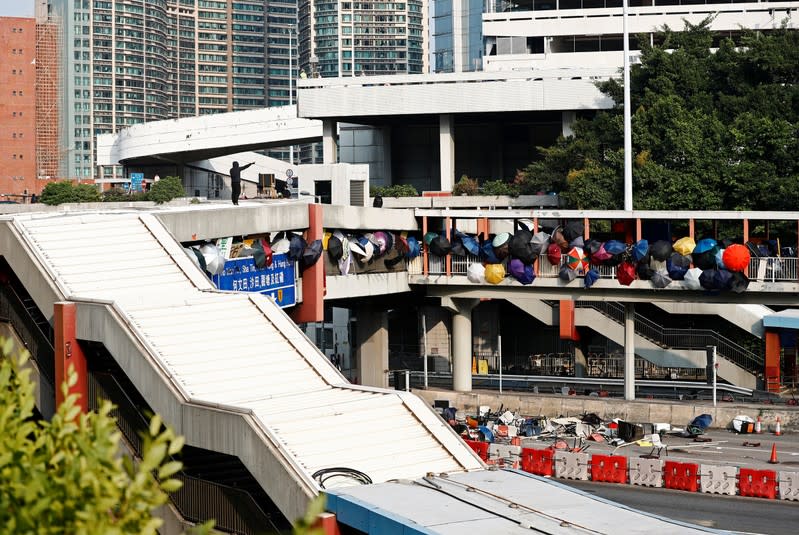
x=539, y=462
x=681, y=476
x=757, y=483
x=609, y=468
x=480, y=447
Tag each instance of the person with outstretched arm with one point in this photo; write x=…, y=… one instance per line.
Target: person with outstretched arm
x=235, y=180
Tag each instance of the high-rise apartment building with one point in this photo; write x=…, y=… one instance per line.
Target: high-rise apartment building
x=356, y=38
x=133, y=61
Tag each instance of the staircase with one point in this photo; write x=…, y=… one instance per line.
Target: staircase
x=665, y=347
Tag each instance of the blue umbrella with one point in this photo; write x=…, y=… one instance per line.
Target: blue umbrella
x=413, y=247
x=591, y=276
x=615, y=247
x=640, y=250
x=487, y=250
x=470, y=244
x=705, y=245
x=677, y=265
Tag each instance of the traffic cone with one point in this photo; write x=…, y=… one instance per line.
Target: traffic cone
x=773, y=459
x=758, y=429
x=778, y=429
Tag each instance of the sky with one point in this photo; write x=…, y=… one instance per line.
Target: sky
x=16, y=8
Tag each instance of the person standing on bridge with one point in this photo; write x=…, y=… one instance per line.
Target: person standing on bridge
x=235, y=181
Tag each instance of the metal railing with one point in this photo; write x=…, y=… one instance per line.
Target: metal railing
x=681, y=338
x=233, y=510
x=38, y=343
x=765, y=269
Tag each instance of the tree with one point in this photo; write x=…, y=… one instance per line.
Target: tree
x=710, y=130
x=67, y=475
x=55, y=193
x=166, y=189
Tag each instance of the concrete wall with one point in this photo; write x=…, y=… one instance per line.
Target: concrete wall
x=647, y=410
x=342, y=176
x=364, y=219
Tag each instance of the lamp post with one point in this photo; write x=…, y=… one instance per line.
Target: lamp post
x=628, y=170
x=291, y=86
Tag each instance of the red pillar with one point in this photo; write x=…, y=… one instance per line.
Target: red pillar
x=772, y=371
x=425, y=264
x=327, y=523
x=313, y=278
x=68, y=353
x=568, y=327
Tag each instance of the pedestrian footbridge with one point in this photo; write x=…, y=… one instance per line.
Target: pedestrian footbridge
x=231, y=372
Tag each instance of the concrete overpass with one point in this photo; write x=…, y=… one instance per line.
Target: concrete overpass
x=442, y=101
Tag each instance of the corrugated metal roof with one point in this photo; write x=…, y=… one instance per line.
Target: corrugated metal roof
x=495, y=502
x=241, y=350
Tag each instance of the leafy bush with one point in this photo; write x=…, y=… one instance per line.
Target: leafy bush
x=397, y=190
x=499, y=187
x=65, y=191
x=166, y=189
x=68, y=475
x=122, y=195
x=466, y=186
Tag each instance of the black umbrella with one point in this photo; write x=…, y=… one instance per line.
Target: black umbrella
x=705, y=260
x=645, y=271
x=660, y=279
x=334, y=249
x=572, y=229
x=739, y=282
x=539, y=243
x=297, y=247
x=520, y=246
x=440, y=246
x=722, y=279
x=566, y=273
x=661, y=250
x=458, y=249
x=391, y=263
x=312, y=253
x=592, y=246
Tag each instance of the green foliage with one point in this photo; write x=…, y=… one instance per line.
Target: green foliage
x=121, y=195
x=166, y=189
x=466, y=186
x=55, y=193
x=68, y=475
x=305, y=525
x=710, y=130
x=499, y=187
x=397, y=190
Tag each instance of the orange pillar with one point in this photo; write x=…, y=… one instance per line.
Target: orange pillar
x=68, y=353
x=691, y=228
x=638, y=235
x=568, y=328
x=746, y=230
x=327, y=524
x=586, y=228
x=772, y=369
x=535, y=225
x=312, y=307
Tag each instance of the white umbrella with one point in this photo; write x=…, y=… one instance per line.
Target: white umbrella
x=691, y=279
x=214, y=260
x=476, y=273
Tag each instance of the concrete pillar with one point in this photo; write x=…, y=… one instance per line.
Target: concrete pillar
x=462, y=343
x=629, y=351
x=446, y=142
x=372, y=354
x=68, y=354
x=580, y=360
x=329, y=141
x=387, y=172
x=567, y=121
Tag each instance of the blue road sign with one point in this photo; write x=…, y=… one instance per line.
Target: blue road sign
x=136, y=180
x=276, y=281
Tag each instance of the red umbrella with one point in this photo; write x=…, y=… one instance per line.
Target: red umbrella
x=553, y=254
x=625, y=273
x=736, y=257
